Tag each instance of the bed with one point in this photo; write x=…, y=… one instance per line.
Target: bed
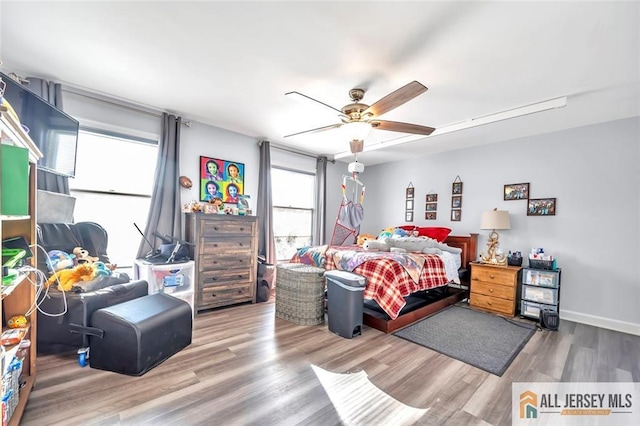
x=395, y=295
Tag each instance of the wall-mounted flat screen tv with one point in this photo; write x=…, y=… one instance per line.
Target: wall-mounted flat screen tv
x=53, y=131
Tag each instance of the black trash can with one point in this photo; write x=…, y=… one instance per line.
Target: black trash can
x=345, y=300
x=264, y=284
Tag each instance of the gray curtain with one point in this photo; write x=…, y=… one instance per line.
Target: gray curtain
x=52, y=93
x=165, y=213
x=320, y=219
x=264, y=207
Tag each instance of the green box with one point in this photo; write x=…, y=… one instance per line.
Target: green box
x=15, y=181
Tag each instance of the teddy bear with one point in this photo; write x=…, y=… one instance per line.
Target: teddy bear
x=82, y=256
x=364, y=237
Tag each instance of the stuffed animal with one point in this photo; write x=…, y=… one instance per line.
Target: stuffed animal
x=364, y=237
x=101, y=269
x=17, y=321
x=82, y=256
x=58, y=260
x=68, y=277
x=375, y=245
x=399, y=232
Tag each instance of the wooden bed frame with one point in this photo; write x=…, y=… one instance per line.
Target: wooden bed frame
x=434, y=300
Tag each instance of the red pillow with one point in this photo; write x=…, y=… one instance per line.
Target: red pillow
x=438, y=233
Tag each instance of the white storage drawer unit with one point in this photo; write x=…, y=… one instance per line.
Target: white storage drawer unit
x=532, y=309
x=540, y=294
x=540, y=290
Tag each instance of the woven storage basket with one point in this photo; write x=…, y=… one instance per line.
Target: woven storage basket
x=300, y=293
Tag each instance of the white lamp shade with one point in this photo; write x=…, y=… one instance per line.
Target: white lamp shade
x=355, y=130
x=495, y=219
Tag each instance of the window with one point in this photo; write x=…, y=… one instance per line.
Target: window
x=293, y=210
x=113, y=184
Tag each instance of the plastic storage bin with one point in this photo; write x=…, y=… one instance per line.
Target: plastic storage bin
x=174, y=279
x=345, y=300
x=532, y=309
x=165, y=278
x=540, y=294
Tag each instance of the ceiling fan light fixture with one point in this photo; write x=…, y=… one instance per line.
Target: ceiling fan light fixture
x=355, y=130
x=356, y=145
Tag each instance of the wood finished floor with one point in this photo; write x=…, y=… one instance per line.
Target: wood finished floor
x=247, y=367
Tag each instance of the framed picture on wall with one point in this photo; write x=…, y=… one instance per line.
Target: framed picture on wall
x=456, y=215
x=456, y=201
x=516, y=191
x=541, y=207
x=222, y=179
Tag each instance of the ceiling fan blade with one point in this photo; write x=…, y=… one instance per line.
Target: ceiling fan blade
x=315, y=100
x=319, y=129
x=396, y=98
x=395, y=126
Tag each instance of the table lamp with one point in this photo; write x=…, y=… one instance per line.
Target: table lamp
x=494, y=219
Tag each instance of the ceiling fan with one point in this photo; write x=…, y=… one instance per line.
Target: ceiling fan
x=360, y=118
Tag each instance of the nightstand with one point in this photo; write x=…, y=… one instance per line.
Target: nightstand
x=494, y=288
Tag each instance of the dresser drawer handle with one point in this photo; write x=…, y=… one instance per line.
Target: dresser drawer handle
x=213, y=279
x=240, y=244
x=490, y=290
x=491, y=276
x=242, y=229
x=215, y=245
x=215, y=228
x=240, y=260
x=489, y=303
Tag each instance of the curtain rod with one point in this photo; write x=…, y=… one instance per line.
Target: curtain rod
x=116, y=102
x=293, y=151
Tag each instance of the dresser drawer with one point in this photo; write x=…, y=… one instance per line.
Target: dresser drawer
x=217, y=228
x=224, y=295
x=493, y=304
x=228, y=246
x=493, y=274
x=220, y=278
x=213, y=262
x=493, y=290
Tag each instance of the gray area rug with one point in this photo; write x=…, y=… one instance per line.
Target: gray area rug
x=486, y=341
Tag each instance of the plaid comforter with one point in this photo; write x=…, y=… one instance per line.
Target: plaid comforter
x=388, y=281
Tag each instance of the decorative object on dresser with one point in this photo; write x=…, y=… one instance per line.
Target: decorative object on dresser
x=456, y=200
x=493, y=288
x=431, y=206
x=494, y=219
x=226, y=257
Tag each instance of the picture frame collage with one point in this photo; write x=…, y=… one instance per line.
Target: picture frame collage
x=431, y=206
x=535, y=206
x=456, y=200
x=409, y=199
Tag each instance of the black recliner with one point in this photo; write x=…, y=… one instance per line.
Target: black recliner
x=62, y=316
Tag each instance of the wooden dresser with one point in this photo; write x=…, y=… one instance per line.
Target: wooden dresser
x=226, y=258
x=494, y=288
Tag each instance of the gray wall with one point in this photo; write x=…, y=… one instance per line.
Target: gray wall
x=592, y=171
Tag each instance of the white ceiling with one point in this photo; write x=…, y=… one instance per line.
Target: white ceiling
x=229, y=64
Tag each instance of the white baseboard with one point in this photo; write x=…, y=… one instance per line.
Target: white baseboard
x=621, y=326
